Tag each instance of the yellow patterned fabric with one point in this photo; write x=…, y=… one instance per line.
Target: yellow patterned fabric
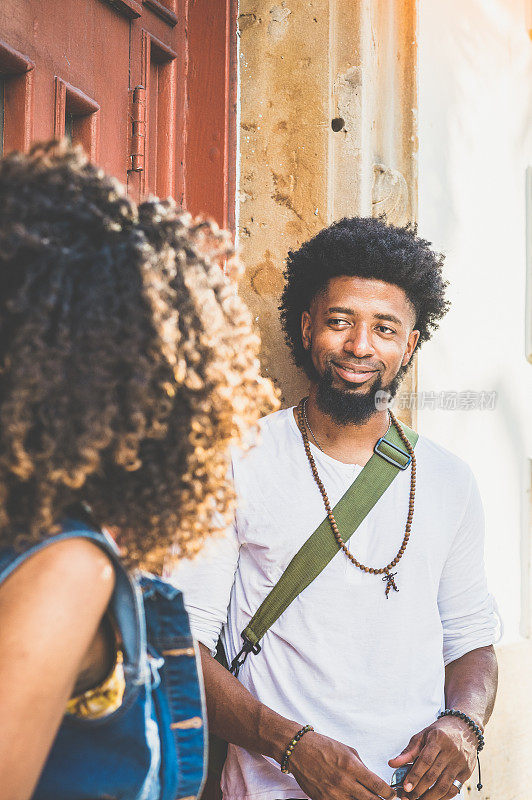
x=103, y=699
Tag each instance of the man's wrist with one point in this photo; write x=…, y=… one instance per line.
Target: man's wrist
x=275, y=733
x=299, y=757
x=457, y=724
x=472, y=724
x=285, y=763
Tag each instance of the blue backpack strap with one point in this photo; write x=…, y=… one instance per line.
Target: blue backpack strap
x=179, y=699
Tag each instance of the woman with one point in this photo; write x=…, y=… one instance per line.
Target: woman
x=127, y=368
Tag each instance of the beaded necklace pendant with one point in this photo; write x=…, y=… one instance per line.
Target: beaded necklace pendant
x=387, y=575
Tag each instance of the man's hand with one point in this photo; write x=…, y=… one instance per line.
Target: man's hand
x=328, y=770
x=443, y=752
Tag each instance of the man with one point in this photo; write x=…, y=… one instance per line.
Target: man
x=369, y=660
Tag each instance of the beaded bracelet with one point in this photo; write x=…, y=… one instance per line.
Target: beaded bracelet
x=477, y=730
x=289, y=750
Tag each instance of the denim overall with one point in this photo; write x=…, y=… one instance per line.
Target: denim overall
x=153, y=746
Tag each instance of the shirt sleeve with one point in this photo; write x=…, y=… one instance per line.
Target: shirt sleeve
x=206, y=582
x=468, y=612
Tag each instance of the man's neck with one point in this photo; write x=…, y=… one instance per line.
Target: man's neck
x=352, y=443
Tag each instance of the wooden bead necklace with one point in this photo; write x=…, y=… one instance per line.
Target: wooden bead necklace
x=388, y=575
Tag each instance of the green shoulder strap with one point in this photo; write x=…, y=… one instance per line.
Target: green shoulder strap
x=320, y=548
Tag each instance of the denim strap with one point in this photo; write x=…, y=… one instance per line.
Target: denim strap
x=179, y=699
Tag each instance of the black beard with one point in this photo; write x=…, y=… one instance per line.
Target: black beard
x=344, y=406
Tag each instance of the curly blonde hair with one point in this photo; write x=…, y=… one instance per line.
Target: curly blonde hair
x=128, y=364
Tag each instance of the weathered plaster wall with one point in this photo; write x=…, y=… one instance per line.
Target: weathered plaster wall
x=316, y=143
x=284, y=132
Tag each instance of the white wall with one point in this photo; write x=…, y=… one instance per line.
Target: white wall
x=475, y=142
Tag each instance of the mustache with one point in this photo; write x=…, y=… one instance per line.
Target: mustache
x=351, y=362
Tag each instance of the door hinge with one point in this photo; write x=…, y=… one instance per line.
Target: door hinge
x=137, y=142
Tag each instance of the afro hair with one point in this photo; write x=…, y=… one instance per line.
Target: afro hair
x=365, y=248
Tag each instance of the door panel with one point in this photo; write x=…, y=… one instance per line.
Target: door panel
x=16, y=99
x=158, y=64
x=77, y=117
x=211, y=100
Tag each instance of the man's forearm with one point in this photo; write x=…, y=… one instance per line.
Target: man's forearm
x=237, y=717
x=471, y=684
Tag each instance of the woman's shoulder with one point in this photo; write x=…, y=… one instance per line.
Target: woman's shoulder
x=67, y=567
x=85, y=550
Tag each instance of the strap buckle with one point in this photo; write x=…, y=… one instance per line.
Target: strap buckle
x=391, y=460
x=240, y=657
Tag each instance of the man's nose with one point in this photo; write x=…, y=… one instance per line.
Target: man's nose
x=359, y=343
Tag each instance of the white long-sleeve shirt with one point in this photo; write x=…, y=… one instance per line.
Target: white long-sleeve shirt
x=363, y=669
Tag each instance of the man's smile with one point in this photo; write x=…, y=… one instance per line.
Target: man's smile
x=353, y=374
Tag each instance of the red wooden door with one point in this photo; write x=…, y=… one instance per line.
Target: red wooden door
x=77, y=68
x=146, y=87
x=158, y=78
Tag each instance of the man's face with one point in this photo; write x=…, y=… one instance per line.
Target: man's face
x=360, y=334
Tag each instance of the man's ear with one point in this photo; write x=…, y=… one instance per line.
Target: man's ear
x=410, y=347
x=306, y=330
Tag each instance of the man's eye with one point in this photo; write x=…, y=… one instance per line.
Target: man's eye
x=336, y=321
x=385, y=329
